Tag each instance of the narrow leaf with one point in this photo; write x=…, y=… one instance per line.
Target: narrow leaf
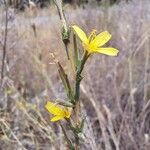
x=65, y=82
x=76, y=52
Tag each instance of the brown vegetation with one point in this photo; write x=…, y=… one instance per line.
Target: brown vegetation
x=115, y=91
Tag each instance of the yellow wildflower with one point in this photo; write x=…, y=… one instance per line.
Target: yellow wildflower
x=93, y=43
x=58, y=112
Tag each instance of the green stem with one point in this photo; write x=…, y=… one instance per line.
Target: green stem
x=78, y=75
x=77, y=94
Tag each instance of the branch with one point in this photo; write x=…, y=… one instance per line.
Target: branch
x=5, y=41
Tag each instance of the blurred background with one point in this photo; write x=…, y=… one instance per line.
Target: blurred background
x=115, y=91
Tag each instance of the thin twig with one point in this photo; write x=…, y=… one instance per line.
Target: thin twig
x=65, y=29
x=147, y=57
x=12, y=133
x=130, y=65
x=5, y=41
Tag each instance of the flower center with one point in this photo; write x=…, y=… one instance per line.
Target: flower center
x=67, y=113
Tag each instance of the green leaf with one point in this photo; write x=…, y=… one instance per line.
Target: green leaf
x=76, y=52
x=66, y=83
x=82, y=125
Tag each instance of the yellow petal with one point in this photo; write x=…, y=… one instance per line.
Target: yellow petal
x=57, y=118
x=54, y=109
x=101, y=39
x=80, y=34
x=108, y=51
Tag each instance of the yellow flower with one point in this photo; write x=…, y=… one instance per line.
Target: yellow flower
x=58, y=112
x=94, y=43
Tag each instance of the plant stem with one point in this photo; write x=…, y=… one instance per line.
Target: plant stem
x=77, y=95
x=65, y=29
x=5, y=41
x=79, y=77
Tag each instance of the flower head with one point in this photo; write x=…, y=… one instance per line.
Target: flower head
x=58, y=112
x=93, y=43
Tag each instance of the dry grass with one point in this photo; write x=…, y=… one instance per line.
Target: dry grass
x=115, y=91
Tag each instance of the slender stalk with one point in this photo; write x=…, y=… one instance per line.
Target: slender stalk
x=79, y=77
x=77, y=111
x=5, y=41
x=147, y=58
x=77, y=95
x=65, y=29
